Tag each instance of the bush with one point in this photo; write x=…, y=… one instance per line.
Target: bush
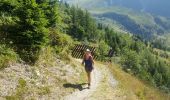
x=130, y=60
x=44, y=90
x=20, y=91
x=60, y=41
x=102, y=51
x=29, y=55
x=7, y=56
x=22, y=82
x=30, y=32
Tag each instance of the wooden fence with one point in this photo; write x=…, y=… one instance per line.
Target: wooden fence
x=79, y=49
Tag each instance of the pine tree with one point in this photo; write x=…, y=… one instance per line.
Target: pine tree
x=51, y=11
x=31, y=33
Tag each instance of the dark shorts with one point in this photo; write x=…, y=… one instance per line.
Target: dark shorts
x=88, y=68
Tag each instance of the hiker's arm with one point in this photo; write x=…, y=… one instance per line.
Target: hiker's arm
x=92, y=60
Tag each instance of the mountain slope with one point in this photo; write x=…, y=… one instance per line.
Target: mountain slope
x=50, y=72
x=125, y=18
x=140, y=23
x=158, y=7
x=143, y=24
x=60, y=79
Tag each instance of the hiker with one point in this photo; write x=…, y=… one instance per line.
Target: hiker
x=88, y=60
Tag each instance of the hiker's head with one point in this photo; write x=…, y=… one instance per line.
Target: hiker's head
x=88, y=51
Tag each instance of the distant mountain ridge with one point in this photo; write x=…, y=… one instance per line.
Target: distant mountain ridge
x=129, y=16
x=157, y=7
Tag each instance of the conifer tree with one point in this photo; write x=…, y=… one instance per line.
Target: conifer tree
x=31, y=33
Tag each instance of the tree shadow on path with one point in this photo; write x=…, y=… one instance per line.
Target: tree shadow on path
x=75, y=86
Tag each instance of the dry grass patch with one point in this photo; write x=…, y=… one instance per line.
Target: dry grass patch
x=135, y=87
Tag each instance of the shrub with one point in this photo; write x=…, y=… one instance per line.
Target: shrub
x=60, y=41
x=130, y=60
x=20, y=90
x=21, y=82
x=30, y=32
x=7, y=56
x=44, y=90
x=102, y=51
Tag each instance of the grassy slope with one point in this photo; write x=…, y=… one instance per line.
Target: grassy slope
x=140, y=18
x=45, y=80
x=112, y=24
x=132, y=85
x=107, y=90
x=53, y=75
x=128, y=88
x=69, y=73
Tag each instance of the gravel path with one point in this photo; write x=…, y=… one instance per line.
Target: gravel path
x=98, y=75
x=82, y=95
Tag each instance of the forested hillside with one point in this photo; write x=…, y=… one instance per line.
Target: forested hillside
x=156, y=7
x=131, y=16
x=27, y=27
x=144, y=25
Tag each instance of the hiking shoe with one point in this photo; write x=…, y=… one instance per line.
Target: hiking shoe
x=88, y=85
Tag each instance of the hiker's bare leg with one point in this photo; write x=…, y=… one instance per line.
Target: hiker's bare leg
x=89, y=77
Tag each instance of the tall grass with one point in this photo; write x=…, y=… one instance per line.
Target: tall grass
x=7, y=56
x=134, y=87
x=46, y=57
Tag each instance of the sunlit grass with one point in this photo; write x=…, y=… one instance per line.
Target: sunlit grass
x=131, y=84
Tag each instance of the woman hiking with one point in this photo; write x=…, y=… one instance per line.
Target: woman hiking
x=88, y=60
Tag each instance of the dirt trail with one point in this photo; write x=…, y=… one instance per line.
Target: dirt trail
x=100, y=76
x=81, y=95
